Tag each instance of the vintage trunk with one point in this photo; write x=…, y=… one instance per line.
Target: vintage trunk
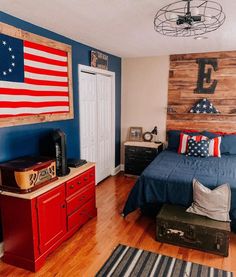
x=176, y=226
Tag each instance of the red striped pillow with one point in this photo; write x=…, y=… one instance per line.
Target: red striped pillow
x=183, y=143
x=214, y=147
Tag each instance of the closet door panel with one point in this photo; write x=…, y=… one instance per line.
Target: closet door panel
x=104, y=86
x=88, y=117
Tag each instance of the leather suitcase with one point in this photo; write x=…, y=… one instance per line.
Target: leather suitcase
x=175, y=226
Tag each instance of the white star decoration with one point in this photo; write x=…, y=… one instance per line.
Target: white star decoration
x=12, y=64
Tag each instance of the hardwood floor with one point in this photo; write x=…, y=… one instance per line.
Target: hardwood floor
x=85, y=252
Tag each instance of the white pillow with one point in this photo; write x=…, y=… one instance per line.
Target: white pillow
x=214, y=203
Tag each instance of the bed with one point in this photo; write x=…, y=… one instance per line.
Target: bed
x=168, y=179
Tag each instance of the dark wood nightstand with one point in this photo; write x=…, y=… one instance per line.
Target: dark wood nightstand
x=139, y=154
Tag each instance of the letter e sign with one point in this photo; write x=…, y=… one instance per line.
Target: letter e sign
x=204, y=76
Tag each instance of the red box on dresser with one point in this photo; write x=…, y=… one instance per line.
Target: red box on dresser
x=36, y=223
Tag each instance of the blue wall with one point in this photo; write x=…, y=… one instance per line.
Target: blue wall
x=24, y=140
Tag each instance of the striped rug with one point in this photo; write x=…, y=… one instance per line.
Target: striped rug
x=128, y=261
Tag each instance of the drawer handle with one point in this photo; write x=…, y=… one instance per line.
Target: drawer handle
x=86, y=213
x=79, y=183
x=72, y=186
x=85, y=179
x=81, y=198
x=148, y=151
x=63, y=206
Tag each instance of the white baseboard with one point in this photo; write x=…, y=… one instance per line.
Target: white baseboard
x=122, y=167
x=116, y=170
x=1, y=249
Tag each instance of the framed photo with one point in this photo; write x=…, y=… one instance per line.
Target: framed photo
x=135, y=133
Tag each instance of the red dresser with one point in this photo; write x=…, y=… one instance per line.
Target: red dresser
x=36, y=223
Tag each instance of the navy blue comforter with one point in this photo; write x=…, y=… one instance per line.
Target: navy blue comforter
x=168, y=179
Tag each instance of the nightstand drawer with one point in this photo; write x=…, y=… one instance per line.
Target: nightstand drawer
x=135, y=169
x=146, y=151
x=140, y=151
x=139, y=160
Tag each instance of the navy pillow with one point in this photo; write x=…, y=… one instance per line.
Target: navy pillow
x=174, y=138
x=198, y=148
x=228, y=144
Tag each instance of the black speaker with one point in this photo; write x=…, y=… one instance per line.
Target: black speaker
x=54, y=145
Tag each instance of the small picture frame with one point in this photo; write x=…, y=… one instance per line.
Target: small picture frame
x=135, y=133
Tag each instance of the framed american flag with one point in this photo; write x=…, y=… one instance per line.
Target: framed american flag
x=35, y=78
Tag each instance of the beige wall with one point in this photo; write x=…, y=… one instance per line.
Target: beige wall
x=144, y=95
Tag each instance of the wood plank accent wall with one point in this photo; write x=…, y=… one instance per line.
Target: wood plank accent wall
x=183, y=76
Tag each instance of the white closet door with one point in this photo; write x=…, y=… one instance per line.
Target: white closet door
x=88, y=117
x=104, y=116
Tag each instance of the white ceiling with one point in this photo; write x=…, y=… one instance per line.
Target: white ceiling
x=121, y=27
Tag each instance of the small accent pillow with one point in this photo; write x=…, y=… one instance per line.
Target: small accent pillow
x=214, y=147
x=198, y=148
x=183, y=143
x=214, y=203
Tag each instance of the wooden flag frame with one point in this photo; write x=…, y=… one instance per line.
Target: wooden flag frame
x=47, y=117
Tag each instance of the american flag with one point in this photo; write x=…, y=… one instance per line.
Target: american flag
x=204, y=106
x=33, y=78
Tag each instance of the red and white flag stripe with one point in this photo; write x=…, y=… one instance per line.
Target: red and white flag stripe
x=214, y=147
x=45, y=88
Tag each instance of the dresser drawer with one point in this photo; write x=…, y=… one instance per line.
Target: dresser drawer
x=75, y=184
x=91, y=175
x=82, y=215
x=80, y=198
x=80, y=182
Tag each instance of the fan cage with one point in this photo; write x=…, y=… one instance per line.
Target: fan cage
x=211, y=13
